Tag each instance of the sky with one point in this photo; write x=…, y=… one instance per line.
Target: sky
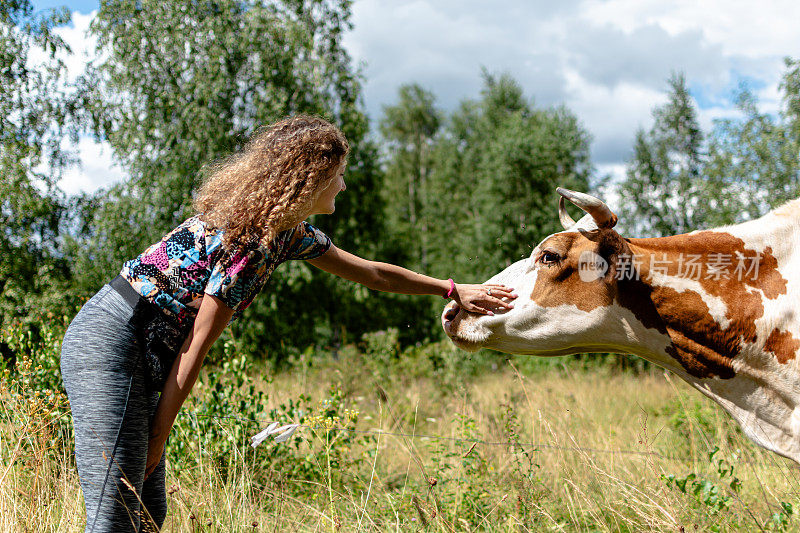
x=606, y=60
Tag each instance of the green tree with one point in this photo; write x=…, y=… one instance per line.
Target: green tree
x=497, y=168
x=469, y=193
x=34, y=119
x=756, y=159
x=184, y=83
x=663, y=191
x=410, y=128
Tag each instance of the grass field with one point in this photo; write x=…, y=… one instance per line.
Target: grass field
x=486, y=445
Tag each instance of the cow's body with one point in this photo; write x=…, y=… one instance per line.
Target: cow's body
x=719, y=308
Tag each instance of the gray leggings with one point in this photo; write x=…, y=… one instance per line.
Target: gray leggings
x=111, y=411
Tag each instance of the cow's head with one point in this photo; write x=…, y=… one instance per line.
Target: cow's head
x=569, y=298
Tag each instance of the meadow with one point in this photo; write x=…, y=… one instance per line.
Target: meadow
x=426, y=438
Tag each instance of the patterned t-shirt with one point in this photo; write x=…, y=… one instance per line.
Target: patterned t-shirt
x=190, y=261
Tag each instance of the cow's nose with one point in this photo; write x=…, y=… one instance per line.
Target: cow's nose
x=451, y=312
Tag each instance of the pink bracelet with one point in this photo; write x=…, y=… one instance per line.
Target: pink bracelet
x=452, y=288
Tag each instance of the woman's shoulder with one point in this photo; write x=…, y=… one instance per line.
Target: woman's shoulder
x=194, y=224
x=301, y=230
x=306, y=241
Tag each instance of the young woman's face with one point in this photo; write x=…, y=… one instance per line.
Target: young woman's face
x=325, y=203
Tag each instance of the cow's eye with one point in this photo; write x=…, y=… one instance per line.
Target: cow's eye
x=549, y=258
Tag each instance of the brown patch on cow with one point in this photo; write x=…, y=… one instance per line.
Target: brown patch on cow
x=699, y=343
x=782, y=344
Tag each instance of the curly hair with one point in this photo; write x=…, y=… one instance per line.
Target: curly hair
x=270, y=184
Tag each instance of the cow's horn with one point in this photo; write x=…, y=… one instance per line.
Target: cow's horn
x=563, y=216
x=600, y=212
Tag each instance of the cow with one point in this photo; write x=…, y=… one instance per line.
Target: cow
x=717, y=307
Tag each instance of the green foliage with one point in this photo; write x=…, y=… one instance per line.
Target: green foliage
x=223, y=392
x=381, y=351
x=497, y=165
x=717, y=496
x=705, y=491
x=228, y=408
x=35, y=117
x=780, y=520
x=662, y=193
x=460, y=484
x=35, y=429
x=681, y=179
x=385, y=360
x=410, y=130
x=44, y=348
x=215, y=73
x=469, y=193
x=688, y=415
x=525, y=477
x=756, y=158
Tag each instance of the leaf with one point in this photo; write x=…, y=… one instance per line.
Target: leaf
x=681, y=483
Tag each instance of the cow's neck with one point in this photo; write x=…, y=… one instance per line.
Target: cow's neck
x=709, y=291
x=736, y=341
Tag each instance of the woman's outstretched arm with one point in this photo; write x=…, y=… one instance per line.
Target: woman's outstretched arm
x=212, y=317
x=392, y=278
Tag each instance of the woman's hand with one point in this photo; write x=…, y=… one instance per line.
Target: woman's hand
x=155, y=449
x=482, y=299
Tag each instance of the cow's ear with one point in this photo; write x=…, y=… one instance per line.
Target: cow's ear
x=613, y=248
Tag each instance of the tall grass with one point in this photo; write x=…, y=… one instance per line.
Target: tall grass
x=426, y=438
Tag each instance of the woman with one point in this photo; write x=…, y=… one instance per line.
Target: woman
x=149, y=329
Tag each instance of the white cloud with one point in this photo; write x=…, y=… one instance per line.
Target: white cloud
x=443, y=45
x=81, y=45
x=645, y=56
x=744, y=28
x=80, y=42
x=607, y=60
x=611, y=114
x=96, y=170
x=752, y=37
x=96, y=167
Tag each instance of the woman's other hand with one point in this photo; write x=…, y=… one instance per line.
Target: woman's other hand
x=155, y=449
x=482, y=299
